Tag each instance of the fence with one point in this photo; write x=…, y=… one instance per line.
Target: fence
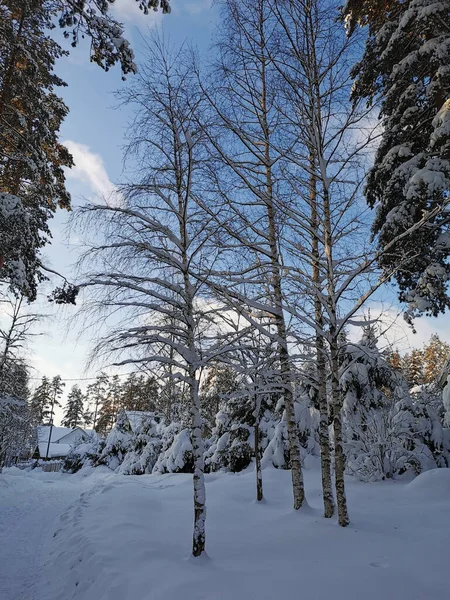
x=50, y=467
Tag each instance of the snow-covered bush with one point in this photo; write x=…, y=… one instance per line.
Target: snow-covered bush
x=177, y=456
x=117, y=444
x=277, y=450
x=145, y=447
x=388, y=428
x=232, y=439
x=85, y=453
x=429, y=439
x=376, y=425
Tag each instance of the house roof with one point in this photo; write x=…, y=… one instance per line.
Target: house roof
x=43, y=432
x=58, y=433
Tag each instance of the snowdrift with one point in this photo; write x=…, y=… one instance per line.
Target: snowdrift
x=128, y=538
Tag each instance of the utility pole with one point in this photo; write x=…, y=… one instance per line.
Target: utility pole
x=51, y=422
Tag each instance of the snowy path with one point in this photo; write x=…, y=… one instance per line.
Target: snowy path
x=30, y=510
x=110, y=537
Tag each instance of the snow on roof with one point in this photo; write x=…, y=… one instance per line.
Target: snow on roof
x=58, y=433
x=43, y=432
x=54, y=450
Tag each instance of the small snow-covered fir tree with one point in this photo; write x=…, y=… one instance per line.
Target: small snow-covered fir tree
x=145, y=447
x=85, y=453
x=375, y=422
x=177, y=455
x=388, y=428
x=117, y=444
x=276, y=452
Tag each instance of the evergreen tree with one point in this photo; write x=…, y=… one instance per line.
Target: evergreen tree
x=435, y=354
x=413, y=367
x=56, y=389
x=32, y=181
x=221, y=382
x=375, y=422
x=405, y=69
x=96, y=394
x=139, y=393
x=41, y=401
x=111, y=405
x=74, y=412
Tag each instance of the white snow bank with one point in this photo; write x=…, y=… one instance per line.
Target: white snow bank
x=129, y=538
x=435, y=484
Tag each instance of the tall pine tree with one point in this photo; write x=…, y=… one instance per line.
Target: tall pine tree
x=74, y=412
x=32, y=181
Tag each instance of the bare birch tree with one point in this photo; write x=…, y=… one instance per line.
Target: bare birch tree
x=149, y=266
x=242, y=137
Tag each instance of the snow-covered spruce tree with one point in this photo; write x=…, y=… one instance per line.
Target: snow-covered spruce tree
x=154, y=251
x=277, y=449
x=220, y=382
x=244, y=145
x=405, y=72
x=118, y=442
x=429, y=439
x=85, y=453
x=146, y=445
x=375, y=423
x=412, y=367
x=74, y=410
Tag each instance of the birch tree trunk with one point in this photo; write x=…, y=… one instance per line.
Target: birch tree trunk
x=198, y=541
x=324, y=437
x=285, y=366
x=259, y=483
x=339, y=457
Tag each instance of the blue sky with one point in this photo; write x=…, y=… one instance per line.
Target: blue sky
x=94, y=132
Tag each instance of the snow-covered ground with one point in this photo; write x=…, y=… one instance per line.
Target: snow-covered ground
x=128, y=538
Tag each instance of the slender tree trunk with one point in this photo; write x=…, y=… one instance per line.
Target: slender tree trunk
x=198, y=542
x=339, y=456
x=259, y=483
x=285, y=363
x=324, y=436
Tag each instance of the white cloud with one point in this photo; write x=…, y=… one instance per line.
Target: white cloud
x=128, y=12
x=90, y=169
x=194, y=7
x=398, y=334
